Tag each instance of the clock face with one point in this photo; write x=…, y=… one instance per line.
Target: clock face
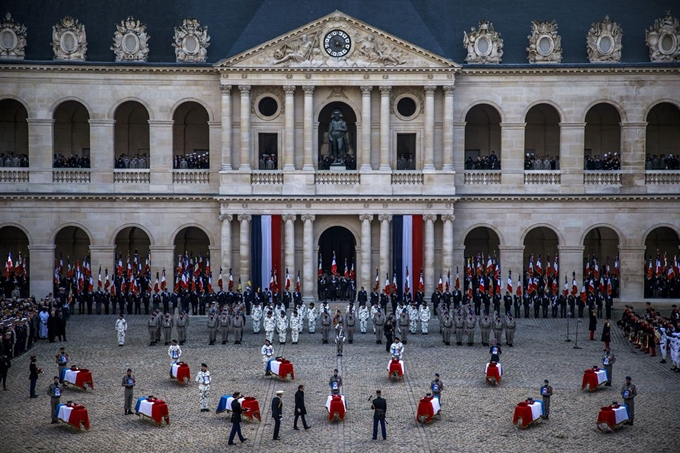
x=337, y=43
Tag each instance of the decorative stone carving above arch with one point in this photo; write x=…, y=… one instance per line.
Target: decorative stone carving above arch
x=484, y=45
x=545, y=45
x=604, y=42
x=191, y=42
x=130, y=42
x=663, y=39
x=259, y=92
x=12, y=39
x=399, y=92
x=69, y=41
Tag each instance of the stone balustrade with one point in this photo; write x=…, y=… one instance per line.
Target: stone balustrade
x=71, y=175
x=662, y=177
x=131, y=176
x=191, y=176
x=10, y=176
x=602, y=178
x=266, y=177
x=337, y=178
x=407, y=178
x=482, y=177
x=542, y=177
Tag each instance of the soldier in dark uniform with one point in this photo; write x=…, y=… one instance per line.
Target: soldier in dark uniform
x=477, y=300
x=518, y=306
x=128, y=383
x=527, y=305
x=507, y=302
x=546, y=393
x=362, y=296
x=383, y=301
x=457, y=298
x=629, y=392
x=563, y=305
x=379, y=407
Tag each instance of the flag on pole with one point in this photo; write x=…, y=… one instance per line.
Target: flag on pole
x=482, y=285
x=519, y=287
x=100, y=284
x=320, y=273
x=616, y=266
x=157, y=286
x=509, y=284
x=489, y=264
x=57, y=277
x=609, y=286
x=387, y=284
x=407, y=282
x=407, y=247
x=287, y=280
x=591, y=286
x=147, y=266
x=394, y=284
x=457, y=279
x=554, y=285
x=447, y=286
x=556, y=266
x=90, y=284
x=271, y=282
x=498, y=287
x=377, y=281
x=351, y=272
x=219, y=281
x=548, y=267
x=539, y=267
x=210, y=288
x=61, y=264
x=440, y=284
x=530, y=269
x=334, y=265
x=297, y=282
x=107, y=282
x=596, y=270
x=230, y=285
x=163, y=282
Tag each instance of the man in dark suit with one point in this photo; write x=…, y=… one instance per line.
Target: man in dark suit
x=277, y=411
x=379, y=407
x=236, y=419
x=300, y=410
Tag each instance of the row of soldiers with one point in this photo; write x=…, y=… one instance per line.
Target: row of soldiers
x=462, y=325
x=648, y=330
x=72, y=161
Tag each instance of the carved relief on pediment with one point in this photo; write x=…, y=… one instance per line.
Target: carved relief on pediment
x=69, y=41
x=191, y=42
x=484, y=45
x=604, y=42
x=12, y=39
x=663, y=39
x=130, y=42
x=545, y=45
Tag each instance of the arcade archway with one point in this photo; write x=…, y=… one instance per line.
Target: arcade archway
x=72, y=249
x=600, y=252
x=338, y=240
x=481, y=250
x=15, y=242
x=193, y=245
x=134, y=242
x=662, y=275
x=540, y=246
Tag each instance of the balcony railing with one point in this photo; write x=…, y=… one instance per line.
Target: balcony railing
x=337, y=178
x=267, y=177
x=13, y=176
x=191, y=176
x=71, y=176
x=131, y=176
x=542, y=177
x=407, y=177
x=662, y=177
x=483, y=177
x=602, y=178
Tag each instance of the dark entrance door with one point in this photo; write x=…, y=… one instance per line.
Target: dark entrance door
x=340, y=240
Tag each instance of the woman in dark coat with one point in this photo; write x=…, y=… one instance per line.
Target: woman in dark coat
x=61, y=326
x=592, y=325
x=606, y=333
x=52, y=326
x=388, y=331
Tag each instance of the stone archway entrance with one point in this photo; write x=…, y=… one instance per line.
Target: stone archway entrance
x=350, y=117
x=341, y=241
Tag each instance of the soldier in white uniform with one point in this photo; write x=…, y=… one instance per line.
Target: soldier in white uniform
x=364, y=314
x=203, y=379
x=175, y=352
x=414, y=317
x=295, y=322
x=121, y=327
x=339, y=336
x=424, y=315
x=282, y=327
x=267, y=352
x=311, y=318
x=302, y=313
x=256, y=315
x=269, y=326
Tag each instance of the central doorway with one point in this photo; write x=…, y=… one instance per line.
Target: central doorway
x=341, y=241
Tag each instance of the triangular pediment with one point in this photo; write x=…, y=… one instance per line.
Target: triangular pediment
x=337, y=41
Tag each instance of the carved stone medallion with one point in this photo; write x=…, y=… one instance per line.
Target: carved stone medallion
x=12, y=39
x=663, y=39
x=545, y=45
x=604, y=42
x=130, y=42
x=191, y=42
x=69, y=41
x=484, y=45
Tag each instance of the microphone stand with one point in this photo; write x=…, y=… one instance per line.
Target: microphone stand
x=576, y=346
x=568, y=316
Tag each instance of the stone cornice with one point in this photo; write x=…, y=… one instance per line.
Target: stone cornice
x=462, y=198
x=39, y=66
x=561, y=70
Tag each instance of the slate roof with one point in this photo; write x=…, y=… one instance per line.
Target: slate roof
x=235, y=26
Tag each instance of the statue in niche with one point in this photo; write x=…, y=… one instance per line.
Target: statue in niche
x=337, y=137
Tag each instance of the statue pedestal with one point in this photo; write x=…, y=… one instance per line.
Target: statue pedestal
x=337, y=167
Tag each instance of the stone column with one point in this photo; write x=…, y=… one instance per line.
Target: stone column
x=512, y=154
x=428, y=258
x=458, y=262
x=447, y=139
x=308, y=274
x=447, y=243
x=571, y=260
x=101, y=151
x=458, y=130
x=226, y=127
x=632, y=155
x=289, y=242
x=385, y=128
x=428, y=162
x=511, y=257
x=385, y=265
x=244, y=165
x=41, y=260
x=225, y=261
x=365, y=156
x=160, y=154
x=244, y=247
x=289, y=135
x=40, y=150
x=632, y=279
x=103, y=255
x=572, y=143
x=162, y=257
x=308, y=128
x=366, y=246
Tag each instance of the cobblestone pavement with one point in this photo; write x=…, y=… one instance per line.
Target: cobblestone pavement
x=475, y=417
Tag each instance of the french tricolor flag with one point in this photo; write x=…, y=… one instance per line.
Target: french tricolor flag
x=407, y=246
x=265, y=248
